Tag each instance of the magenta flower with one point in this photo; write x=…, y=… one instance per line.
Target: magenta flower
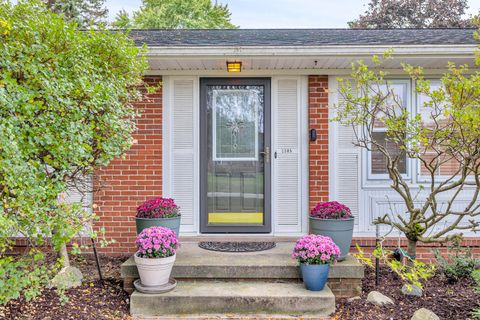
x=157, y=242
x=316, y=249
x=331, y=210
x=158, y=208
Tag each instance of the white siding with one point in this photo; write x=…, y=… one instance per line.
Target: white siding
x=349, y=183
x=81, y=193
x=346, y=159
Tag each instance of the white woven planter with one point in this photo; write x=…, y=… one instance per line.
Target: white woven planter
x=154, y=271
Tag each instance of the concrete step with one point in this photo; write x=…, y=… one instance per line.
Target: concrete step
x=233, y=316
x=195, y=263
x=234, y=297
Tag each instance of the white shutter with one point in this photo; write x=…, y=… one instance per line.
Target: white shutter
x=180, y=132
x=347, y=160
x=287, y=191
x=347, y=180
x=81, y=192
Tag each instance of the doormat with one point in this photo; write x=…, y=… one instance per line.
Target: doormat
x=225, y=246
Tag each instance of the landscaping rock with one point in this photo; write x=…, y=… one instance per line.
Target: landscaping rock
x=424, y=314
x=412, y=290
x=378, y=299
x=350, y=300
x=68, y=277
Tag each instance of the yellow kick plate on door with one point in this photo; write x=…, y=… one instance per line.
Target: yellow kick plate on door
x=235, y=217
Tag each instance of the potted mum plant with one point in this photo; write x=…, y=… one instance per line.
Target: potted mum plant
x=334, y=220
x=155, y=255
x=160, y=212
x=315, y=254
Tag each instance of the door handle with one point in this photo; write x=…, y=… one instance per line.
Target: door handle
x=266, y=154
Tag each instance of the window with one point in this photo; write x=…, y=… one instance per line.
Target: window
x=377, y=162
x=433, y=118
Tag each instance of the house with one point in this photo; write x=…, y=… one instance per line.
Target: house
x=239, y=133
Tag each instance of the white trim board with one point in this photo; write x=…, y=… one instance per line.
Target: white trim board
x=296, y=51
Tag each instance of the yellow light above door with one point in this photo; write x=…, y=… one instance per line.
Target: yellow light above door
x=234, y=66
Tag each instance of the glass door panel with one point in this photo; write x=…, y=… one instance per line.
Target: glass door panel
x=234, y=155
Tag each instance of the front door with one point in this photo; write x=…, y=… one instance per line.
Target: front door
x=235, y=155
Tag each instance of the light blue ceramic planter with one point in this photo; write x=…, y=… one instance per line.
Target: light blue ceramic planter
x=340, y=230
x=171, y=223
x=314, y=275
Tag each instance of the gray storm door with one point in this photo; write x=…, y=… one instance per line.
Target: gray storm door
x=235, y=155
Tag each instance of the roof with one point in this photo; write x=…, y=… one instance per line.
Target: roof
x=301, y=37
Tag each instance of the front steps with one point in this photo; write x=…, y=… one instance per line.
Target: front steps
x=227, y=297
x=265, y=282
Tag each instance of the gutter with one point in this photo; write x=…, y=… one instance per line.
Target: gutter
x=433, y=51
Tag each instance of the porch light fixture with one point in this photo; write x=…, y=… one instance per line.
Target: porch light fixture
x=234, y=66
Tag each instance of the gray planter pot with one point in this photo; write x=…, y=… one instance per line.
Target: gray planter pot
x=171, y=223
x=341, y=232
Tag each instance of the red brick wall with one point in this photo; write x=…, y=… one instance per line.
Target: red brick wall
x=129, y=181
x=424, y=251
x=318, y=150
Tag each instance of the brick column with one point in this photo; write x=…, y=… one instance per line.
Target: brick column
x=125, y=183
x=318, y=150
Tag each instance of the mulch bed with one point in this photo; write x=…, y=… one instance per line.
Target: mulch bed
x=91, y=301
x=108, y=301
x=448, y=301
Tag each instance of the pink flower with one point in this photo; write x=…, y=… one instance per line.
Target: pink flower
x=157, y=242
x=158, y=208
x=331, y=210
x=315, y=249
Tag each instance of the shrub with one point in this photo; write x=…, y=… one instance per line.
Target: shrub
x=456, y=265
x=316, y=249
x=157, y=242
x=331, y=210
x=476, y=314
x=476, y=278
x=158, y=208
x=65, y=110
x=18, y=276
x=413, y=273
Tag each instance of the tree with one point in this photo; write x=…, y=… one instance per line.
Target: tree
x=84, y=12
x=123, y=21
x=388, y=14
x=446, y=132
x=178, y=14
x=65, y=109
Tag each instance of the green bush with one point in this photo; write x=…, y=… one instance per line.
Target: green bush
x=457, y=264
x=65, y=109
x=476, y=277
x=19, y=276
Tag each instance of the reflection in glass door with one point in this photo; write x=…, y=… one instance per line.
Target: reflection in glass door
x=235, y=155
